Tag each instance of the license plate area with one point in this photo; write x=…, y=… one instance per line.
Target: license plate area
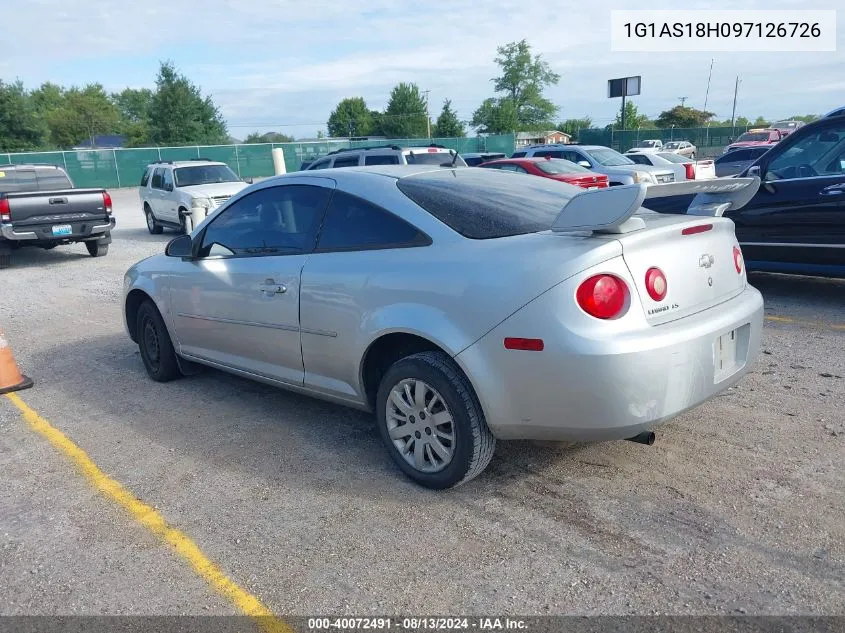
x=726, y=357
x=62, y=229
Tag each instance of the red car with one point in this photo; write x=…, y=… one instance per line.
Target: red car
x=554, y=168
x=755, y=138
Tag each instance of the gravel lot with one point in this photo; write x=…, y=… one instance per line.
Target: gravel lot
x=737, y=508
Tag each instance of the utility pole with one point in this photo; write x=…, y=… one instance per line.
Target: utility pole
x=682, y=99
x=427, y=115
x=733, y=112
x=707, y=94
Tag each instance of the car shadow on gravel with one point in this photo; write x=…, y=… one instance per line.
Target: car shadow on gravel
x=31, y=257
x=232, y=423
x=815, y=291
x=142, y=234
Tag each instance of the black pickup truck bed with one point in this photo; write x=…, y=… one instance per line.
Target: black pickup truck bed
x=40, y=207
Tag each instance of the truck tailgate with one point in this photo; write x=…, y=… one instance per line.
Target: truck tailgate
x=53, y=207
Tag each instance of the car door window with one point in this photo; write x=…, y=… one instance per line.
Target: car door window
x=520, y=170
x=167, y=180
x=552, y=153
x=574, y=157
x=158, y=177
x=639, y=159
x=279, y=220
x=346, y=161
x=354, y=224
x=819, y=154
x=322, y=164
x=146, y=177
x=384, y=159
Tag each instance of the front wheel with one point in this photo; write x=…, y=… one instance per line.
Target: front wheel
x=155, y=345
x=152, y=226
x=431, y=421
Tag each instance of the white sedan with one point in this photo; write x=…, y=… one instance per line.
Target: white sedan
x=685, y=168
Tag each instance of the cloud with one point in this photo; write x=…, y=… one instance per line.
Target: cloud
x=281, y=62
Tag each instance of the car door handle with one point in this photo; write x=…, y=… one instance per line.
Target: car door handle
x=833, y=190
x=270, y=287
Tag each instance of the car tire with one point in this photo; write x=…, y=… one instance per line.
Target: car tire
x=5, y=257
x=463, y=436
x=184, y=223
x=154, y=343
x=692, y=156
x=97, y=248
x=152, y=224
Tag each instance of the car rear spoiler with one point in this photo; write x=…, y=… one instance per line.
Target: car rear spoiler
x=612, y=210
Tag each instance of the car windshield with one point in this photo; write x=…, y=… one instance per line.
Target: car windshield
x=487, y=203
x=648, y=144
x=672, y=145
x=753, y=136
x=785, y=124
x=560, y=166
x=609, y=157
x=423, y=157
x=204, y=175
x=674, y=158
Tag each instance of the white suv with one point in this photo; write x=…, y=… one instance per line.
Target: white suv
x=389, y=155
x=179, y=194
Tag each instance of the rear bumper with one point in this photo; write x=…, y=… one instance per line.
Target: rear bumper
x=80, y=231
x=607, y=387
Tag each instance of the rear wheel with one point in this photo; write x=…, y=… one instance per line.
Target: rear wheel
x=155, y=345
x=97, y=248
x=152, y=226
x=431, y=422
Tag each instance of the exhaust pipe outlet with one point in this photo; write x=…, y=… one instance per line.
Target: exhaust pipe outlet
x=646, y=437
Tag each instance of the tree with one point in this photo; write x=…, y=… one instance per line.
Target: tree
x=760, y=122
x=21, y=129
x=405, y=115
x=572, y=126
x=448, y=125
x=377, y=127
x=683, y=116
x=807, y=118
x=351, y=117
x=633, y=118
x=179, y=114
x=520, y=86
x=268, y=137
x=84, y=113
x=496, y=116
x=134, y=109
x=47, y=98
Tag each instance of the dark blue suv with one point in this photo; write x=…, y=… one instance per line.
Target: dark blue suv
x=796, y=221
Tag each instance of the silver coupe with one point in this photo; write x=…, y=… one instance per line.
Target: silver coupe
x=461, y=306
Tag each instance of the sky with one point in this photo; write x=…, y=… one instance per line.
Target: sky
x=283, y=66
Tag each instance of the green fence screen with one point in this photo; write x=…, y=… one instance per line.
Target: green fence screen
x=124, y=167
x=709, y=141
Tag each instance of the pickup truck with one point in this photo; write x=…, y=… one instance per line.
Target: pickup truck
x=39, y=206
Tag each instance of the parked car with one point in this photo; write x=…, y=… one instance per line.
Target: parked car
x=554, y=168
x=836, y=112
x=786, y=127
x=619, y=169
x=306, y=164
x=474, y=159
x=39, y=206
x=756, y=138
x=179, y=194
x=795, y=223
x=461, y=306
x=738, y=159
x=684, y=148
x=647, y=147
x=390, y=155
x=684, y=168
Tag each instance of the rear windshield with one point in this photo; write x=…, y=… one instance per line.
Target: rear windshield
x=753, y=136
x=486, y=203
x=424, y=157
x=649, y=144
x=609, y=157
x=560, y=166
x=23, y=180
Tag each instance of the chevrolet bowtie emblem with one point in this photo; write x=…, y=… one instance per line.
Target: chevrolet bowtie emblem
x=706, y=261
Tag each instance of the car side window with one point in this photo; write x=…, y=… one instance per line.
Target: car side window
x=573, y=156
x=552, y=153
x=158, y=177
x=639, y=159
x=146, y=177
x=167, y=180
x=280, y=220
x=384, y=159
x=321, y=164
x=819, y=154
x=354, y=224
x=520, y=170
x=518, y=155
x=346, y=161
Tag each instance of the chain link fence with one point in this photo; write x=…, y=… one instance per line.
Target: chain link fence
x=708, y=140
x=114, y=168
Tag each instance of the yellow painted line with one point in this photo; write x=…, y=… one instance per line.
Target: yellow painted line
x=155, y=523
x=819, y=324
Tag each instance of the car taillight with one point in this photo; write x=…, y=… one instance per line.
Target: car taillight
x=107, y=202
x=738, y=259
x=655, y=284
x=602, y=296
x=5, y=214
x=690, y=167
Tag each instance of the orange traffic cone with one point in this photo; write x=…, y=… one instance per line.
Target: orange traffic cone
x=11, y=379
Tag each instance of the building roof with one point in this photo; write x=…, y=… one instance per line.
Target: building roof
x=540, y=134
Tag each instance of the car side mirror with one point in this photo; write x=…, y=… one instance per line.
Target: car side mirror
x=584, y=163
x=182, y=246
x=754, y=170
x=168, y=187
x=248, y=181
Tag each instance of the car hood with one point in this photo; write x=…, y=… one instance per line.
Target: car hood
x=644, y=150
x=215, y=189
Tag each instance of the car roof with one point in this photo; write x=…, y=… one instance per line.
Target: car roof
x=194, y=162
x=13, y=167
